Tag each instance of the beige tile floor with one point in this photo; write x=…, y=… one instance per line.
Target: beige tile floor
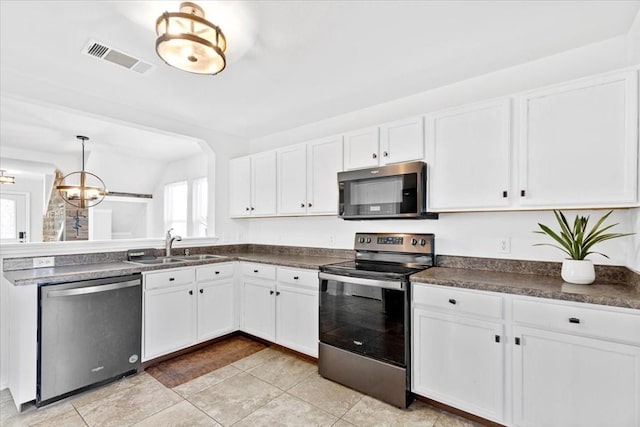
x=268, y=388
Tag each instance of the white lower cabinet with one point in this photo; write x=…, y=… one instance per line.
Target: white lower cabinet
x=281, y=305
x=184, y=306
x=169, y=311
x=217, y=313
x=259, y=308
x=297, y=310
x=567, y=370
x=557, y=363
x=458, y=357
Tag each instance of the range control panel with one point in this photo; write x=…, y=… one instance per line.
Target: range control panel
x=395, y=242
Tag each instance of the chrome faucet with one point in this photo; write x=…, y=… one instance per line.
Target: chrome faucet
x=169, y=241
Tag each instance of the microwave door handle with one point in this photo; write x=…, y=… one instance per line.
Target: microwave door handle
x=385, y=284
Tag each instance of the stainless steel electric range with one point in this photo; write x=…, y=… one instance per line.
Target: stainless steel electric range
x=365, y=339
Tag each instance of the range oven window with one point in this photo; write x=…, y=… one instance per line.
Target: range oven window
x=385, y=195
x=365, y=320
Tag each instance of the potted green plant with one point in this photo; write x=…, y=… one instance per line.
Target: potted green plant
x=577, y=242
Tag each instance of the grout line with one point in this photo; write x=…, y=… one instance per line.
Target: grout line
x=80, y=415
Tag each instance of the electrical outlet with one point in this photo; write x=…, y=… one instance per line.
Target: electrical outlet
x=45, y=261
x=504, y=245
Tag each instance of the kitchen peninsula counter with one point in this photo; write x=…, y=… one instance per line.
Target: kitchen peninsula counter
x=87, y=271
x=534, y=285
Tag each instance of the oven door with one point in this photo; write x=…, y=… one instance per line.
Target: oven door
x=365, y=316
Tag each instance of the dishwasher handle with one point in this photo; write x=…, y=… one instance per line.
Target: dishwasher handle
x=93, y=289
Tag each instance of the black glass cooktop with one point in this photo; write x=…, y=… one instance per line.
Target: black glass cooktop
x=369, y=269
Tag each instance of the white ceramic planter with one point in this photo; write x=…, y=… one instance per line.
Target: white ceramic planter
x=579, y=272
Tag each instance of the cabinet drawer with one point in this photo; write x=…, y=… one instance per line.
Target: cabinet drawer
x=574, y=318
x=166, y=278
x=214, y=272
x=294, y=276
x=262, y=271
x=458, y=301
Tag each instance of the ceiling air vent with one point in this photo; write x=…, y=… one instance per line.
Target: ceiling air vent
x=102, y=51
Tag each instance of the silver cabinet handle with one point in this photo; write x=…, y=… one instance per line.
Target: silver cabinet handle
x=93, y=289
x=385, y=154
x=374, y=156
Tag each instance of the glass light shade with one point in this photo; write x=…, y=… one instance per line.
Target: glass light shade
x=189, y=42
x=5, y=179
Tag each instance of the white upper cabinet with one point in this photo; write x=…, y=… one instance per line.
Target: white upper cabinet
x=307, y=177
x=361, y=148
x=240, y=186
x=263, y=183
x=402, y=141
x=292, y=183
x=252, y=185
x=469, y=157
x=395, y=142
x=324, y=161
x=578, y=143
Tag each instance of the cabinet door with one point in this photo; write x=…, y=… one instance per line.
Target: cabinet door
x=402, y=141
x=324, y=161
x=469, y=156
x=566, y=380
x=361, y=149
x=169, y=320
x=263, y=183
x=258, y=316
x=240, y=187
x=292, y=180
x=297, y=318
x=216, y=304
x=579, y=143
x=460, y=362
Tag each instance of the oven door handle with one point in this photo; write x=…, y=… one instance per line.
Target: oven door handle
x=386, y=284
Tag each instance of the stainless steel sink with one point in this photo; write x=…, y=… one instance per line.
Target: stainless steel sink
x=199, y=257
x=157, y=261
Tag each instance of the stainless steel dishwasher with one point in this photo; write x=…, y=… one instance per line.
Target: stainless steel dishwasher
x=89, y=333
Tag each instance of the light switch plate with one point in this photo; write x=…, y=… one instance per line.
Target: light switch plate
x=45, y=261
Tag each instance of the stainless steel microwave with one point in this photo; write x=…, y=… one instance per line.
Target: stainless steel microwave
x=392, y=191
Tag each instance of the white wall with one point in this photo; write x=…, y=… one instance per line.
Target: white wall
x=633, y=49
x=465, y=234
x=633, y=259
x=468, y=234
x=596, y=58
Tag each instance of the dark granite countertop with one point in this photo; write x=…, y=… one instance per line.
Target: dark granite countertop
x=617, y=295
x=77, y=272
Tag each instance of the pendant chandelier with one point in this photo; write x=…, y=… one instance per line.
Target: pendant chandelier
x=6, y=179
x=82, y=189
x=189, y=42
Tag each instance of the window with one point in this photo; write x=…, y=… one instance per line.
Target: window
x=175, y=207
x=14, y=217
x=200, y=205
x=187, y=216
x=8, y=219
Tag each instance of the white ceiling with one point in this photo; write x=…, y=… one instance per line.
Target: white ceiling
x=289, y=62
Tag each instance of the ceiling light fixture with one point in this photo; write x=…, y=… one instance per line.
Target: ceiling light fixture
x=189, y=42
x=5, y=179
x=82, y=189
